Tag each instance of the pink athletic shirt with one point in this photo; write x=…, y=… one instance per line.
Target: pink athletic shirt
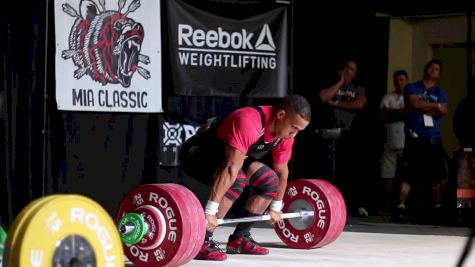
x=242, y=128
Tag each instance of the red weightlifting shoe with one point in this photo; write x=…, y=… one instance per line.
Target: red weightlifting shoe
x=245, y=245
x=210, y=251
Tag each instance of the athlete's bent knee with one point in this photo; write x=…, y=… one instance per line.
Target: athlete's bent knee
x=266, y=181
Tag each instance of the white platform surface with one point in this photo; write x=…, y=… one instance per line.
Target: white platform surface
x=361, y=244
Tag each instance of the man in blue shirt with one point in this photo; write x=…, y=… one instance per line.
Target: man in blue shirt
x=424, y=156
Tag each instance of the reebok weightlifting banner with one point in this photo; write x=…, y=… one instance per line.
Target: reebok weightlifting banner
x=108, y=55
x=216, y=56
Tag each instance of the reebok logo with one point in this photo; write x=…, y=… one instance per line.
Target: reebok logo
x=264, y=36
x=219, y=48
x=187, y=36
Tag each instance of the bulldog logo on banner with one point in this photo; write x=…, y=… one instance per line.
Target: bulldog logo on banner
x=113, y=59
x=107, y=47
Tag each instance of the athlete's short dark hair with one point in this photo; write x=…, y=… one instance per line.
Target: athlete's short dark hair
x=297, y=104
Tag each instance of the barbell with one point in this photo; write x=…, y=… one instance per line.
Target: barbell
x=133, y=226
x=164, y=224
x=158, y=225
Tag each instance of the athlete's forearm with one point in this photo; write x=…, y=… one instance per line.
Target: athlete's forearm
x=282, y=172
x=226, y=175
x=281, y=190
x=224, y=179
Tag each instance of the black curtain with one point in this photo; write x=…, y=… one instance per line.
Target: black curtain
x=337, y=35
x=22, y=110
x=103, y=155
x=47, y=151
x=100, y=155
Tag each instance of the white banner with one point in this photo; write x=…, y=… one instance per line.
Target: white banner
x=108, y=55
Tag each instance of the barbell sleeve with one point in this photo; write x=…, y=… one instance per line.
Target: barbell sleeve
x=126, y=228
x=266, y=217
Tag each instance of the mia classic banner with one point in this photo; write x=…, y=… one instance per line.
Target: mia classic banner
x=108, y=55
x=217, y=56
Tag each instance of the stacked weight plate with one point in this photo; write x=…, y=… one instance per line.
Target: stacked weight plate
x=175, y=224
x=3, y=238
x=324, y=227
x=63, y=230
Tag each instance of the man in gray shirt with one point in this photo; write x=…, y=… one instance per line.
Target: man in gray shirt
x=346, y=100
x=345, y=97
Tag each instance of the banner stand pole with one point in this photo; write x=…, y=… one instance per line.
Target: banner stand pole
x=45, y=102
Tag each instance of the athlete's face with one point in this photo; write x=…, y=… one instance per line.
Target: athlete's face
x=289, y=124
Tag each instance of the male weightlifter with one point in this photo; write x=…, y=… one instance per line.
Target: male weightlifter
x=226, y=155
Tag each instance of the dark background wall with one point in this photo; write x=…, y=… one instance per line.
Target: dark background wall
x=103, y=155
x=322, y=43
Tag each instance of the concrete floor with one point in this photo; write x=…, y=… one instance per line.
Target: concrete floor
x=363, y=243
